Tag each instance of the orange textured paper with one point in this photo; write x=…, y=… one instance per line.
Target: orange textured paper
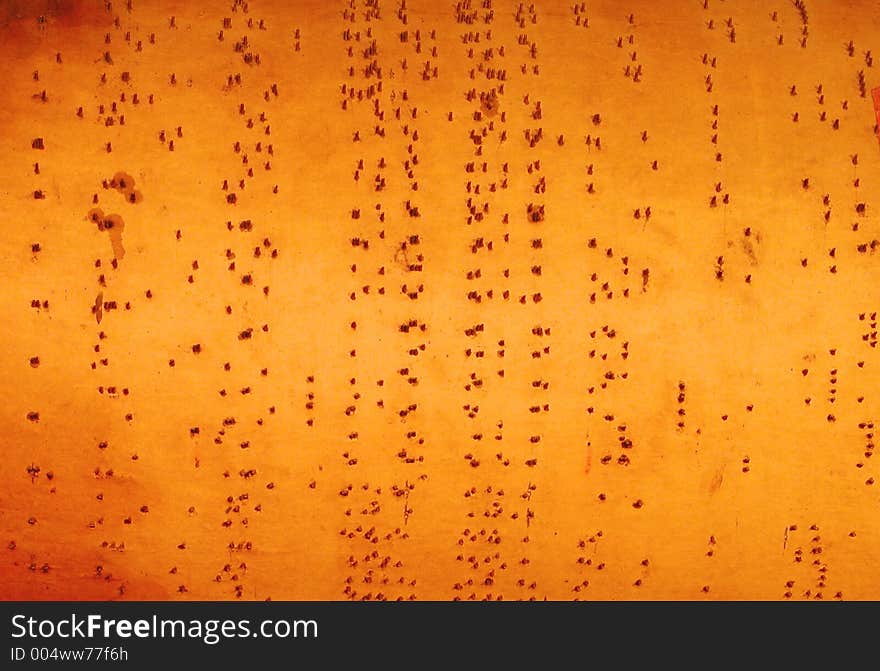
x=434, y=300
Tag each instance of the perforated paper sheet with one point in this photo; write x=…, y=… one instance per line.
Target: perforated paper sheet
x=435, y=300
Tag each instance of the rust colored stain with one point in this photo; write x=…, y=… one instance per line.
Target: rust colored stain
x=875, y=94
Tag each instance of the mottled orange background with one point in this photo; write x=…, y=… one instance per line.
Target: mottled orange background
x=425, y=300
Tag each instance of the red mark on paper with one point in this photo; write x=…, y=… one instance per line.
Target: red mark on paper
x=875, y=93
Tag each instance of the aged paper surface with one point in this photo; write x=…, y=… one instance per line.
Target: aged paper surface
x=435, y=300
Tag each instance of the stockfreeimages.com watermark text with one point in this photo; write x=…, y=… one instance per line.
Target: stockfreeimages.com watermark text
x=209, y=632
